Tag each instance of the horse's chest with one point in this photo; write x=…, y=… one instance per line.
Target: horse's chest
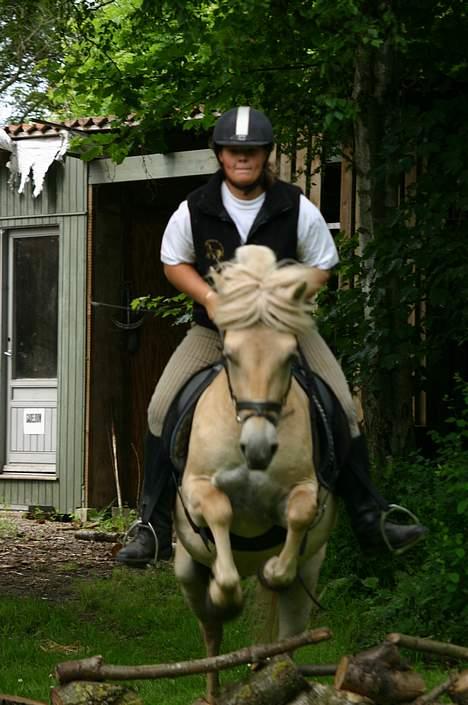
x=253, y=493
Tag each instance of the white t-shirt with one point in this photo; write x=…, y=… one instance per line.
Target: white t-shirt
x=315, y=244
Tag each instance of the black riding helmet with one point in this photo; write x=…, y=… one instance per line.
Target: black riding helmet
x=243, y=127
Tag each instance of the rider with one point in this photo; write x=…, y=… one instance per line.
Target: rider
x=244, y=202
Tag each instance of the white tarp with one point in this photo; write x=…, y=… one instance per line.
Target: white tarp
x=33, y=157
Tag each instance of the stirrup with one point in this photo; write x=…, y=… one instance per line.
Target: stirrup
x=132, y=530
x=392, y=508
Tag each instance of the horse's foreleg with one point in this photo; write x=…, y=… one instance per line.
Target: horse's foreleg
x=280, y=571
x=213, y=507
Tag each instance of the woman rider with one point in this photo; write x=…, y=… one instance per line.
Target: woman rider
x=243, y=203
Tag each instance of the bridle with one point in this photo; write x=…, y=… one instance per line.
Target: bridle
x=269, y=410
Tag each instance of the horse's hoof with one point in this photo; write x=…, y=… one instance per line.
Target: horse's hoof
x=221, y=606
x=268, y=583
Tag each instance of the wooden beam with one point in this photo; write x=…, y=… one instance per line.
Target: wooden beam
x=198, y=162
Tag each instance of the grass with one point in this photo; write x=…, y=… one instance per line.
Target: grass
x=8, y=528
x=138, y=617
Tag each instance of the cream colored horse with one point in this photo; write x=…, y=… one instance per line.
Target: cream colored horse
x=249, y=466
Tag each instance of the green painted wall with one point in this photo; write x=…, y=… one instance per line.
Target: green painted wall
x=62, y=205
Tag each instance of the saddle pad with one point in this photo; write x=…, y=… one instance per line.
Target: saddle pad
x=178, y=421
x=329, y=424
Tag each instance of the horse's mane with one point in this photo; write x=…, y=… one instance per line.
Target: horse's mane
x=255, y=288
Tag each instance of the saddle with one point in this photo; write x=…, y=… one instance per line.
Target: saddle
x=330, y=429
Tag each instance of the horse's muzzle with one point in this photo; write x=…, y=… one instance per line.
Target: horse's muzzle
x=258, y=442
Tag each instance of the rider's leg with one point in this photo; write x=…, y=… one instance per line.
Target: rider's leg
x=159, y=487
x=364, y=505
x=200, y=347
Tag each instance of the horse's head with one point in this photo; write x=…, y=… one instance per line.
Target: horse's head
x=261, y=310
x=258, y=364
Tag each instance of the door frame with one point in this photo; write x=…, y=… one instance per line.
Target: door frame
x=28, y=466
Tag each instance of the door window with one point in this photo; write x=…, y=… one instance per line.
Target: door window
x=35, y=308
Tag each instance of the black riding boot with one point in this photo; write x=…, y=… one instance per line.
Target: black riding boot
x=366, y=508
x=151, y=538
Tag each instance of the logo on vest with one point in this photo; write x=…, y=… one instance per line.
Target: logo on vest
x=214, y=251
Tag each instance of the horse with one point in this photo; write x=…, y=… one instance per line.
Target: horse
x=249, y=472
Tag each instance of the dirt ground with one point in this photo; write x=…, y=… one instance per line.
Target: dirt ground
x=41, y=558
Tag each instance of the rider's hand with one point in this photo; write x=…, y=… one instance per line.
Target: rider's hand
x=211, y=302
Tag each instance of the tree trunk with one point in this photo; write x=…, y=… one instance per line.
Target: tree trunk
x=387, y=395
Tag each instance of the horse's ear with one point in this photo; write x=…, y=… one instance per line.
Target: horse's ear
x=299, y=291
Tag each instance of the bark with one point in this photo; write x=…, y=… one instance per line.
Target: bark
x=458, y=690
x=83, y=693
x=377, y=681
x=417, y=643
x=388, y=395
x=320, y=694
x=275, y=684
x=94, y=668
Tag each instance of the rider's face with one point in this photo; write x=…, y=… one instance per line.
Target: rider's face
x=242, y=166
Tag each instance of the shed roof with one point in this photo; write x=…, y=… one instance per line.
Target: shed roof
x=47, y=128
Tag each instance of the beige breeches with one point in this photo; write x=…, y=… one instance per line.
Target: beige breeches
x=202, y=347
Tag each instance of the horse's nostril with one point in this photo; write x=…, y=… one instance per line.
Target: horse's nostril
x=274, y=448
x=243, y=447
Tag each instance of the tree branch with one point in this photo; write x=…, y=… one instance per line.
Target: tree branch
x=417, y=643
x=94, y=668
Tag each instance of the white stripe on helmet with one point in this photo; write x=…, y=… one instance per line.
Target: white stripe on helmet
x=242, y=122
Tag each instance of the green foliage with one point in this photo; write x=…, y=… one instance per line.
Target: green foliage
x=178, y=307
x=32, y=36
x=425, y=591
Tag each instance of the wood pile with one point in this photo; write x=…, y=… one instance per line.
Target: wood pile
x=377, y=676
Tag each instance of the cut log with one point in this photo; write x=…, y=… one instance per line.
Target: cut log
x=387, y=654
x=386, y=686
x=428, y=645
x=84, y=693
x=458, y=690
x=320, y=694
x=275, y=684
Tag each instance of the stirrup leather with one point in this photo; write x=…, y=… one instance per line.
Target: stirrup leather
x=132, y=531
x=384, y=515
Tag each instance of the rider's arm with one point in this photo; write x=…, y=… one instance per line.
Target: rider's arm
x=185, y=278
x=316, y=278
x=315, y=246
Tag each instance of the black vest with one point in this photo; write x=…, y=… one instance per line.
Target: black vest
x=215, y=236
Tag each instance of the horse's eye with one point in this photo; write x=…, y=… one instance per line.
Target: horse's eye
x=293, y=358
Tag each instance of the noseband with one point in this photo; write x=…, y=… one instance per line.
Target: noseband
x=269, y=410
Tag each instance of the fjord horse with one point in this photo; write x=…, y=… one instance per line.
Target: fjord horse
x=249, y=476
